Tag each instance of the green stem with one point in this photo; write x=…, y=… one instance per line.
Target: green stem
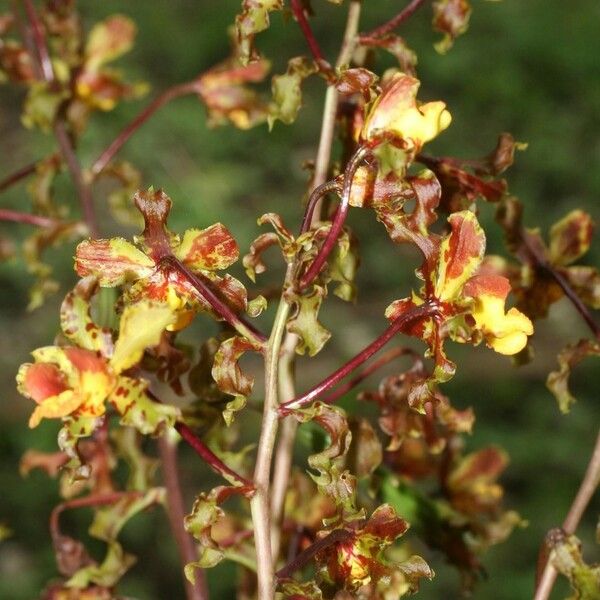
x=588, y=487
x=259, y=505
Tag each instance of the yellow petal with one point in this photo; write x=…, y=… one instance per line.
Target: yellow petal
x=141, y=326
x=505, y=333
x=55, y=407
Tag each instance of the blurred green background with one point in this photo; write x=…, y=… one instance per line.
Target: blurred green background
x=531, y=68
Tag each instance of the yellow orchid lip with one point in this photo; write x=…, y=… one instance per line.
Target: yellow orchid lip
x=506, y=333
x=396, y=111
x=58, y=394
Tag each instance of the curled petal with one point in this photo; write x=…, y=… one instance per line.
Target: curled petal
x=76, y=321
x=450, y=17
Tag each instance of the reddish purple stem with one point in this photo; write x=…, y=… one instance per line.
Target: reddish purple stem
x=569, y=292
x=209, y=457
x=39, y=41
x=419, y=312
x=335, y=537
x=298, y=10
x=109, y=153
x=338, y=221
x=15, y=177
x=224, y=311
x=388, y=357
x=317, y=194
x=394, y=22
x=16, y=216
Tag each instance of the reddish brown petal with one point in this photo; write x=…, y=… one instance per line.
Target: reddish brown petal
x=493, y=285
x=155, y=206
x=41, y=381
x=113, y=261
x=212, y=248
x=85, y=360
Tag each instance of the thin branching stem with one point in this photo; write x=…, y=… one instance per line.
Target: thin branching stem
x=175, y=510
x=285, y=445
x=65, y=144
x=315, y=197
x=569, y=292
x=331, y=98
x=394, y=22
x=113, y=148
x=17, y=176
x=209, y=457
x=245, y=328
x=419, y=312
x=588, y=487
x=313, y=45
x=259, y=504
x=16, y=216
x=83, y=188
x=86, y=501
x=383, y=360
x=335, y=537
x=338, y=221
x=312, y=215
x=39, y=41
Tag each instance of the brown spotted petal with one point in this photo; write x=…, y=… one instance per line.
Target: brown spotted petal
x=450, y=17
x=113, y=262
x=570, y=237
x=227, y=98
